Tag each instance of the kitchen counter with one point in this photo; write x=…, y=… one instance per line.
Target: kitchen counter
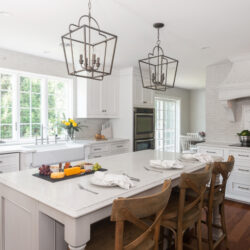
x=29, y=148
x=224, y=145
x=27, y=199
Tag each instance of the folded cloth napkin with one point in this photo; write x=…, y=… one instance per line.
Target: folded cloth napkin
x=166, y=164
x=203, y=158
x=113, y=179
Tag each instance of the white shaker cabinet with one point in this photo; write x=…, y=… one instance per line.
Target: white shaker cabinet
x=98, y=99
x=238, y=185
x=141, y=97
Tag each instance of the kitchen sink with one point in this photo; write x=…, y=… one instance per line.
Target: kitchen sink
x=55, y=153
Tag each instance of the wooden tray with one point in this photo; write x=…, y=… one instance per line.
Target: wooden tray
x=47, y=178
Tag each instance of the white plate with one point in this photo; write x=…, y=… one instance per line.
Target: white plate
x=188, y=157
x=164, y=168
x=97, y=182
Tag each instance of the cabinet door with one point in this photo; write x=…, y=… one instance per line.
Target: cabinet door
x=109, y=96
x=138, y=91
x=142, y=96
x=93, y=98
x=148, y=97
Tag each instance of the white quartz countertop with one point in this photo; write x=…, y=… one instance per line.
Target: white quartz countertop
x=224, y=145
x=66, y=197
x=27, y=148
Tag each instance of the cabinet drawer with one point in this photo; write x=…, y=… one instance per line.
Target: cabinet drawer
x=99, y=148
x=239, y=188
x=212, y=151
x=240, y=155
x=97, y=155
x=119, y=146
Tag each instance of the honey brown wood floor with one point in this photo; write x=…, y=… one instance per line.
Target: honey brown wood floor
x=238, y=227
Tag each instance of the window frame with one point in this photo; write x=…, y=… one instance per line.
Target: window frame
x=16, y=108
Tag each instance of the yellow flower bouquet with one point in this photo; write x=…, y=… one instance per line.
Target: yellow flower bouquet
x=70, y=126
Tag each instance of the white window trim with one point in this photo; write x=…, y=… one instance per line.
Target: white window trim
x=44, y=101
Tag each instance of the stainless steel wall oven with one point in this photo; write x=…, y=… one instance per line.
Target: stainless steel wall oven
x=144, y=128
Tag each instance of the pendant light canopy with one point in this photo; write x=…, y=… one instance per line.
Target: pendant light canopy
x=158, y=72
x=89, y=51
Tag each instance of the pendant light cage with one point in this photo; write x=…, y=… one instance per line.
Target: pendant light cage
x=158, y=72
x=89, y=51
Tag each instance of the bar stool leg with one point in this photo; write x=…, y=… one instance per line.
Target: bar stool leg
x=223, y=223
x=199, y=236
x=210, y=229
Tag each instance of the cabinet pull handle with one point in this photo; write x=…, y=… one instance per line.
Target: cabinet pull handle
x=211, y=152
x=97, y=156
x=144, y=102
x=243, y=155
x=97, y=149
x=1, y=162
x=119, y=146
x=1, y=172
x=244, y=188
x=245, y=170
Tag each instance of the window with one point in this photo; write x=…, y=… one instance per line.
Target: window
x=167, y=120
x=28, y=101
x=6, y=106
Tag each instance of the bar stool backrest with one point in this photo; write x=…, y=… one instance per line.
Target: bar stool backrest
x=133, y=210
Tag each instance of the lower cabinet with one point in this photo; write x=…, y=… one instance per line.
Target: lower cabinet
x=106, y=148
x=238, y=185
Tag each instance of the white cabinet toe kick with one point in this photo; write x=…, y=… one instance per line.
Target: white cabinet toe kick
x=238, y=185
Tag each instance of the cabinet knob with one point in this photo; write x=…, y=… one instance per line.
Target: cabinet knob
x=144, y=102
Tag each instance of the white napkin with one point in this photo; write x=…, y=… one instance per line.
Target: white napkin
x=203, y=158
x=166, y=164
x=110, y=179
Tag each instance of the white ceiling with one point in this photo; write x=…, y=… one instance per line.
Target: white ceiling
x=36, y=26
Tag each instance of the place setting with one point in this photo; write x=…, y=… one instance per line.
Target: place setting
x=160, y=165
x=110, y=180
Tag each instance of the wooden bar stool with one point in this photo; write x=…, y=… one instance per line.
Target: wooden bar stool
x=130, y=232
x=181, y=214
x=214, y=197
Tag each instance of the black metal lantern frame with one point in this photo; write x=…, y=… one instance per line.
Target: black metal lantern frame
x=89, y=51
x=158, y=72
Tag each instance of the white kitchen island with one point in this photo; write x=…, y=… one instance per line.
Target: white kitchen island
x=26, y=201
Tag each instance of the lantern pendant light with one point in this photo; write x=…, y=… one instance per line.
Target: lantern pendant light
x=89, y=51
x=158, y=72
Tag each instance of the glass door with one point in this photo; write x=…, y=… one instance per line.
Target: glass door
x=167, y=124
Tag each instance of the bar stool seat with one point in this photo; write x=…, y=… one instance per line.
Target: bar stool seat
x=170, y=217
x=103, y=236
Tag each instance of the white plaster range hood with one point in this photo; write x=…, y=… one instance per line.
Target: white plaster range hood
x=236, y=86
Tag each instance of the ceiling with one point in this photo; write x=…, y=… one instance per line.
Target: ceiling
x=221, y=27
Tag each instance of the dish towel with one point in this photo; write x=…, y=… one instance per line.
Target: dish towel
x=168, y=164
x=113, y=179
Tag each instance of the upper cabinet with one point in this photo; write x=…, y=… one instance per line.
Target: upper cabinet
x=141, y=97
x=98, y=99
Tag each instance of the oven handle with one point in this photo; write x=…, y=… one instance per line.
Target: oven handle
x=144, y=114
x=144, y=140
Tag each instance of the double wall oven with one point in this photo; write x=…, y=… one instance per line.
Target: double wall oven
x=144, y=128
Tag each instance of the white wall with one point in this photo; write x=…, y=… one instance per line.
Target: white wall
x=219, y=128
x=197, y=110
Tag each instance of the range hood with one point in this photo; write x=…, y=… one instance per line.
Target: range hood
x=236, y=86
